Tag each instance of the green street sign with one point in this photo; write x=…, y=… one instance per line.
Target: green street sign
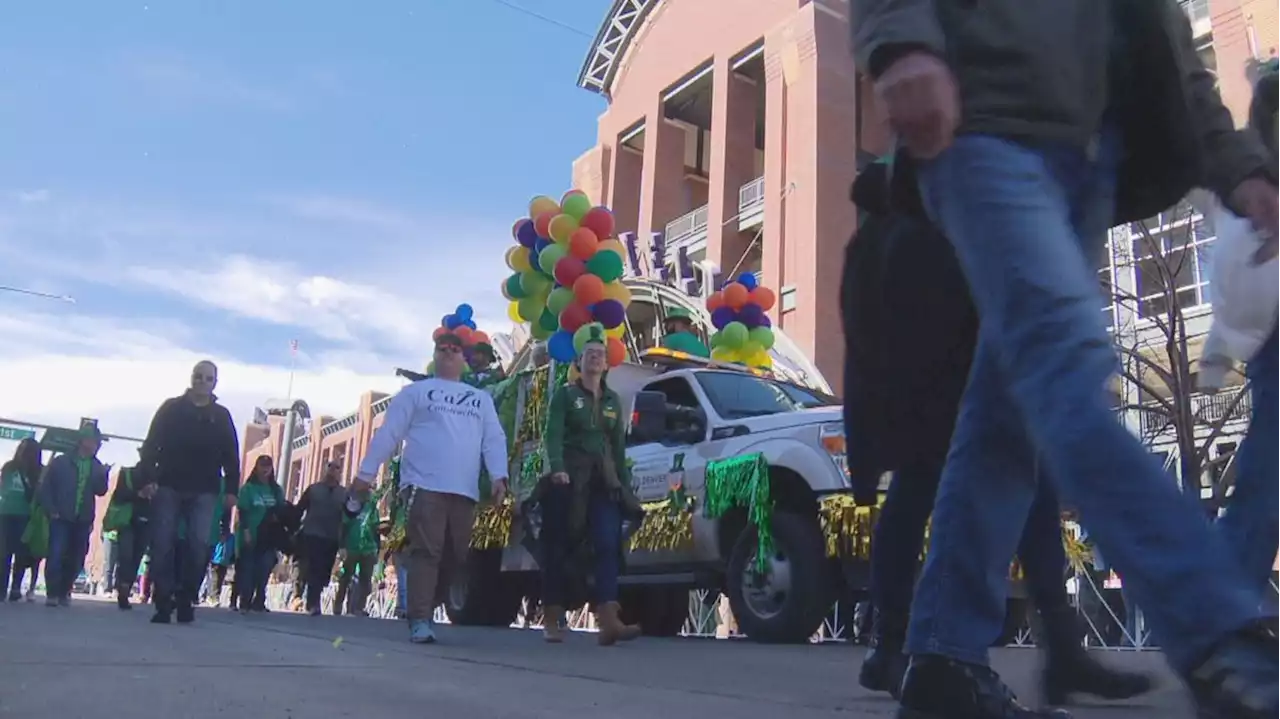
x=16, y=434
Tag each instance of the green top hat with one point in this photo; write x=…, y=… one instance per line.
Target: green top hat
x=678, y=313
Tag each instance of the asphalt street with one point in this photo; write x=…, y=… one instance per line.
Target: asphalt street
x=93, y=660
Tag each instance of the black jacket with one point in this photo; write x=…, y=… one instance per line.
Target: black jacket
x=910, y=331
x=193, y=449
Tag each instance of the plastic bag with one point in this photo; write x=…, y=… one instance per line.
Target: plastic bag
x=1244, y=297
x=36, y=535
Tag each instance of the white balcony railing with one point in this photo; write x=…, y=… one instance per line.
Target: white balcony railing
x=1206, y=407
x=751, y=196
x=686, y=226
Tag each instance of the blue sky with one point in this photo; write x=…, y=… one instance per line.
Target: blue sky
x=215, y=179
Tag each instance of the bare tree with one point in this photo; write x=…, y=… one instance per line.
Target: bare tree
x=1158, y=342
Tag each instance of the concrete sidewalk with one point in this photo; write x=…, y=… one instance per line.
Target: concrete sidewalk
x=93, y=660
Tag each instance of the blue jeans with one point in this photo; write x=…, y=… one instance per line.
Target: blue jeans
x=253, y=570
x=167, y=508
x=1250, y=524
x=68, y=545
x=604, y=529
x=1027, y=225
x=402, y=586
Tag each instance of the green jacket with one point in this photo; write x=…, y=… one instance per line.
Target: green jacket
x=16, y=493
x=686, y=342
x=580, y=424
x=255, y=500
x=360, y=533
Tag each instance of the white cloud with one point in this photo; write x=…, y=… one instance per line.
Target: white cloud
x=32, y=196
x=54, y=372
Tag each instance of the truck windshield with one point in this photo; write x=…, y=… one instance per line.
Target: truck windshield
x=735, y=395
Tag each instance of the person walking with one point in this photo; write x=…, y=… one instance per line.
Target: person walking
x=903, y=383
x=224, y=553
x=586, y=495
x=258, y=504
x=449, y=431
x=67, y=493
x=360, y=548
x=128, y=516
x=18, y=480
x=193, y=452
x=323, y=507
x=1030, y=129
x=110, y=561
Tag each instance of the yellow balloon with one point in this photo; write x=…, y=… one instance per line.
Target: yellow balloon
x=541, y=205
x=513, y=312
x=616, y=332
x=724, y=354
x=518, y=259
x=618, y=291
x=613, y=246
x=562, y=227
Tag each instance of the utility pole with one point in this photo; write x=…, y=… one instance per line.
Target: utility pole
x=34, y=293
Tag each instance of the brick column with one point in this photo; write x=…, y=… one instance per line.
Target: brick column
x=733, y=120
x=626, y=179
x=662, y=185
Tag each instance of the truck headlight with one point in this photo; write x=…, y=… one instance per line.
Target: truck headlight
x=831, y=436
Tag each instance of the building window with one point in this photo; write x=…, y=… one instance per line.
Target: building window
x=1196, y=10
x=1106, y=280
x=1171, y=260
x=340, y=455
x=787, y=300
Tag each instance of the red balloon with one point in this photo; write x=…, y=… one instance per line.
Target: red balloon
x=588, y=290
x=736, y=295
x=478, y=337
x=764, y=297
x=542, y=224
x=568, y=269
x=599, y=220
x=715, y=301
x=583, y=244
x=464, y=333
x=616, y=351
x=439, y=331
x=574, y=316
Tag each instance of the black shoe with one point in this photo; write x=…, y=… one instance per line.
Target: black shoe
x=122, y=600
x=1069, y=669
x=884, y=664
x=160, y=617
x=186, y=613
x=1239, y=678
x=940, y=688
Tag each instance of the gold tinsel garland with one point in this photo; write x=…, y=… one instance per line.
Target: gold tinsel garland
x=667, y=526
x=492, y=528
x=847, y=530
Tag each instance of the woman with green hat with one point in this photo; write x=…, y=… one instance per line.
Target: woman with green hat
x=586, y=495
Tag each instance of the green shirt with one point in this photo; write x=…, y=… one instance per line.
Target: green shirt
x=15, y=499
x=578, y=421
x=686, y=342
x=361, y=535
x=256, y=499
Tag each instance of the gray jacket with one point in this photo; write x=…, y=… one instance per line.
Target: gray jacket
x=324, y=508
x=57, y=493
x=1050, y=70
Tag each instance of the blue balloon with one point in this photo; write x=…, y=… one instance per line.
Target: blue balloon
x=541, y=245
x=723, y=316
x=470, y=323
x=750, y=315
x=560, y=347
x=464, y=312
x=452, y=322
x=748, y=280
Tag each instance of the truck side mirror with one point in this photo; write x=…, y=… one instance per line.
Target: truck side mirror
x=649, y=417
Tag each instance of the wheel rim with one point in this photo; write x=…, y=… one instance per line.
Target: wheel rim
x=766, y=594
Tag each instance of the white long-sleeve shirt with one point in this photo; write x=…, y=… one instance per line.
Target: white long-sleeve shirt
x=448, y=428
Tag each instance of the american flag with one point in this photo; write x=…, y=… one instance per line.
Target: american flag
x=293, y=346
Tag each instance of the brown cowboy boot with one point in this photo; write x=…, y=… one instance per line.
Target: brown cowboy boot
x=551, y=618
x=612, y=630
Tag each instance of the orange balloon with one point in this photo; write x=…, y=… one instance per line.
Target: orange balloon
x=764, y=297
x=735, y=295
x=478, y=337
x=439, y=331
x=588, y=290
x=616, y=352
x=583, y=243
x=542, y=224
x=715, y=301
x=464, y=333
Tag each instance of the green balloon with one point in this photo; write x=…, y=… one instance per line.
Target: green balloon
x=549, y=256
x=716, y=339
x=560, y=298
x=538, y=332
x=535, y=284
x=735, y=335
x=531, y=308
x=762, y=336
x=605, y=265
x=576, y=206
x=514, y=289
x=549, y=320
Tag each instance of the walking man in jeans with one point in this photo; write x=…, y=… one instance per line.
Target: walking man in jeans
x=68, y=494
x=447, y=428
x=1034, y=127
x=324, y=508
x=194, y=455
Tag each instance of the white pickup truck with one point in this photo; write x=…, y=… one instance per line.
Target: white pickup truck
x=705, y=412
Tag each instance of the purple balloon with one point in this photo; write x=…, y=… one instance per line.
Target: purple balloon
x=609, y=313
x=526, y=235
x=765, y=321
x=750, y=315
x=723, y=316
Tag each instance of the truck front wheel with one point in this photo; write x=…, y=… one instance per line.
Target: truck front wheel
x=788, y=601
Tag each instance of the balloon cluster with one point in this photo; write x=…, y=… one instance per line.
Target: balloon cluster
x=461, y=325
x=744, y=333
x=566, y=275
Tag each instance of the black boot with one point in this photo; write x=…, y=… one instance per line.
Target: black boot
x=122, y=598
x=940, y=688
x=884, y=664
x=1069, y=669
x=186, y=610
x=1238, y=680
x=164, y=609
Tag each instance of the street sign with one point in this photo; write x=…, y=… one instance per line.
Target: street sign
x=16, y=434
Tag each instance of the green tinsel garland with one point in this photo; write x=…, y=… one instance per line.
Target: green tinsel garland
x=743, y=482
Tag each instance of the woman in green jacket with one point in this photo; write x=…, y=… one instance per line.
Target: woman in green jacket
x=18, y=478
x=259, y=497
x=586, y=495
